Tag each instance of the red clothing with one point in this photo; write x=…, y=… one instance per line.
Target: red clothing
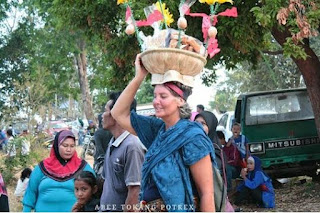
x=55, y=168
x=58, y=168
x=232, y=154
x=3, y=189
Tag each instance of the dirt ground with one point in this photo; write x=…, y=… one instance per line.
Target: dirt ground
x=293, y=196
x=299, y=194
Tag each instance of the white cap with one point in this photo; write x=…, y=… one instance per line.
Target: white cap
x=172, y=75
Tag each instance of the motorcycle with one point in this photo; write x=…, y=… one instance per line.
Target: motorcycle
x=88, y=147
x=98, y=166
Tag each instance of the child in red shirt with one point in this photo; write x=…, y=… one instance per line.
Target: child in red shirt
x=233, y=158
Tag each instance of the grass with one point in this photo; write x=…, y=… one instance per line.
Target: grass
x=15, y=204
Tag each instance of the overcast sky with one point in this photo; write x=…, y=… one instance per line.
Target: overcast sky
x=202, y=94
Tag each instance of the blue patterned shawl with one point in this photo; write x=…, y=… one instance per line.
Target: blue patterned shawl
x=169, y=156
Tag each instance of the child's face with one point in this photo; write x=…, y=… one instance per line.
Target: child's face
x=222, y=141
x=203, y=123
x=236, y=131
x=83, y=191
x=250, y=166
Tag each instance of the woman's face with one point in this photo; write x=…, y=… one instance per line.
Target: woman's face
x=250, y=166
x=165, y=104
x=83, y=191
x=67, y=148
x=200, y=120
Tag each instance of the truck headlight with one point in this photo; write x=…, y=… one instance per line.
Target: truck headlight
x=257, y=147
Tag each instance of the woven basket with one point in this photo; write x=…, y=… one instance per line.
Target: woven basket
x=159, y=61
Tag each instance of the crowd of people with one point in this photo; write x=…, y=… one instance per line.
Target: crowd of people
x=155, y=163
x=235, y=162
x=8, y=146
x=8, y=149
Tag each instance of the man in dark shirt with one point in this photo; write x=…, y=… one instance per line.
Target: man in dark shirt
x=101, y=138
x=200, y=108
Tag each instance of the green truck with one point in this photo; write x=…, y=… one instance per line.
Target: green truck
x=282, y=132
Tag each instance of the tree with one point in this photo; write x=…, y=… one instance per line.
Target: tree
x=80, y=64
x=300, y=20
x=145, y=93
x=224, y=100
x=75, y=44
x=271, y=73
x=291, y=23
x=14, y=53
x=99, y=22
x=33, y=93
x=245, y=38
x=29, y=65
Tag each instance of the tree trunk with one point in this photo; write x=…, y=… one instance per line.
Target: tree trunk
x=80, y=62
x=310, y=70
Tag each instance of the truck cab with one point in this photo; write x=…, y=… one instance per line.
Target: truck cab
x=281, y=129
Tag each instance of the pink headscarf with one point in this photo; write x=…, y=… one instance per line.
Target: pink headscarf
x=193, y=115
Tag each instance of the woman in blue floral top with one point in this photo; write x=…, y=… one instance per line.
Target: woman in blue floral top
x=178, y=164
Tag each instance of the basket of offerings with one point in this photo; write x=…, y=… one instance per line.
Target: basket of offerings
x=159, y=61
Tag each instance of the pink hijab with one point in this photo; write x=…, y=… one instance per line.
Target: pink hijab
x=193, y=115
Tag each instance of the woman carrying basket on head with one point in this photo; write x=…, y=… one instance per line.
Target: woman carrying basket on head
x=178, y=164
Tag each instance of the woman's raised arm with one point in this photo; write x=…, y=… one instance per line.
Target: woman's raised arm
x=121, y=110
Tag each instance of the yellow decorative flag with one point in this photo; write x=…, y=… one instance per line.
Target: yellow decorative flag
x=121, y=1
x=167, y=15
x=215, y=1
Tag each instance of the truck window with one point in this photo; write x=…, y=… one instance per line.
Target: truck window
x=231, y=122
x=281, y=107
x=238, y=111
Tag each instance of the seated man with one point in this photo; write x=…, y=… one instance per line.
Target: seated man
x=101, y=140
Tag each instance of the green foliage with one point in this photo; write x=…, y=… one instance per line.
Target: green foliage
x=266, y=12
x=145, y=93
x=313, y=18
x=224, y=100
x=32, y=61
x=106, y=19
x=13, y=56
x=46, y=42
x=9, y=166
x=208, y=77
x=271, y=73
x=266, y=16
x=261, y=17
x=291, y=49
x=5, y=6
